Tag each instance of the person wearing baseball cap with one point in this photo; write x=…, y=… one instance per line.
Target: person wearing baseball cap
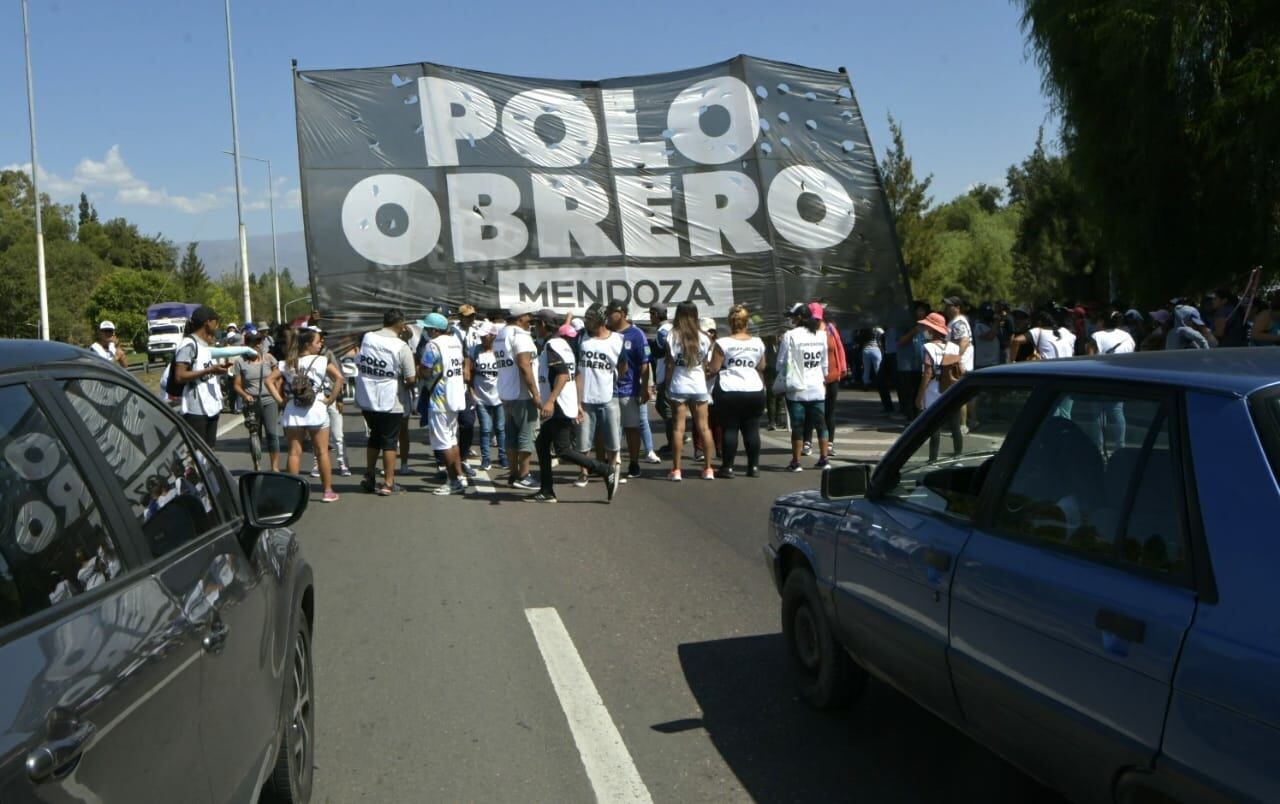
x=444, y=370
x=559, y=411
x=633, y=385
x=516, y=355
x=1188, y=330
x=482, y=368
x=194, y=368
x=107, y=346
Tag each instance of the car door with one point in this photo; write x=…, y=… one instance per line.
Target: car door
x=1071, y=601
x=189, y=525
x=896, y=550
x=101, y=699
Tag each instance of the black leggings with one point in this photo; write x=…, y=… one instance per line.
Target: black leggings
x=957, y=438
x=740, y=410
x=559, y=430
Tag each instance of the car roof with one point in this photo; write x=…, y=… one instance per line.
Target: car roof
x=16, y=355
x=1238, y=372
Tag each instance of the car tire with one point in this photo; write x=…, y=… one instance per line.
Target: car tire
x=295, y=765
x=825, y=675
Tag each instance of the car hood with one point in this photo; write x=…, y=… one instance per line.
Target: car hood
x=811, y=499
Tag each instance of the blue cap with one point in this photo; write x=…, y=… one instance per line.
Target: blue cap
x=249, y=328
x=435, y=321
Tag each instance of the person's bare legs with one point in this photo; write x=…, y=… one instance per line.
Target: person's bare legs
x=320, y=446
x=701, y=423
x=677, y=434
x=294, y=436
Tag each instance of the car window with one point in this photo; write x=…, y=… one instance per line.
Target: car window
x=173, y=497
x=53, y=545
x=947, y=471
x=1097, y=478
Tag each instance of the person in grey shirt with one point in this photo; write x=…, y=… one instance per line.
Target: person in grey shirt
x=1187, y=330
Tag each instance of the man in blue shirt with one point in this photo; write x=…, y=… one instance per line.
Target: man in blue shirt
x=633, y=381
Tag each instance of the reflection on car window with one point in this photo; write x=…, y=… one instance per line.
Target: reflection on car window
x=947, y=471
x=1098, y=478
x=52, y=542
x=156, y=468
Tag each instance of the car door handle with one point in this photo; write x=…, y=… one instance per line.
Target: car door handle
x=937, y=559
x=216, y=639
x=1127, y=628
x=55, y=755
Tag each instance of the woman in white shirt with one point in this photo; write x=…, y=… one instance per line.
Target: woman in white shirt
x=307, y=360
x=690, y=349
x=1107, y=422
x=1047, y=339
x=738, y=362
x=802, y=374
x=938, y=356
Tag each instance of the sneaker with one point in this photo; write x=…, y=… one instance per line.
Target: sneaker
x=527, y=482
x=674, y=475
x=822, y=463
x=698, y=457
x=772, y=427
x=344, y=470
x=468, y=470
x=708, y=474
x=329, y=496
x=831, y=449
x=726, y=473
x=582, y=480
x=652, y=457
x=795, y=466
x=541, y=498
x=453, y=487
x=807, y=449
x=315, y=471
x=633, y=470
x=611, y=484
x=404, y=470
x=485, y=466
x=964, y=429
x=753, y=471
x=367, y=483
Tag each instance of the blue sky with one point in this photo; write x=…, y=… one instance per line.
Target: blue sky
x=132, y=105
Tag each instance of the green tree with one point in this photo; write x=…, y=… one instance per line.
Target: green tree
x=1171, y=117
x=123, y=297
x=118, y=242
x=72, y=272
x=87, y=212
x=909, y=201
x=974, y=250
x=192, y=278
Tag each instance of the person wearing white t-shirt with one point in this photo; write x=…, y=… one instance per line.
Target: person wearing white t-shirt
x=559, y=411
x=444, y=371
x=802, y=374
x=307, y=365
x=200, y=377
x=938, y=355
x=738, y=361
x=107, y=346
x=600, y=360
x=1047, y=339
x=484, y=392
x=1105, y=419
x=660, y=347
x=384, y=372
x=686, y=375
x=518, y=386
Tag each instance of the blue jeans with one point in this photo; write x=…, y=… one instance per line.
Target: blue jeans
x=646, y=434
x=492, y=419
x=871, y=359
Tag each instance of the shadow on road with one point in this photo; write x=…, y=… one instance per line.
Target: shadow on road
x=886, y=748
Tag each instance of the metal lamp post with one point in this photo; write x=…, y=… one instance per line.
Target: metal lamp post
x=35, y=187
x=235, y=153
x=271, y=205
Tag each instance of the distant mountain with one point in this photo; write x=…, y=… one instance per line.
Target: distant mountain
x=223, y=256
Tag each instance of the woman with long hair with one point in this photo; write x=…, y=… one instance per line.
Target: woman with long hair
x=738, y=362
x=1049, y=339
x=802, y=373
x=256, y=379
x=303, y=416
x=690, y=349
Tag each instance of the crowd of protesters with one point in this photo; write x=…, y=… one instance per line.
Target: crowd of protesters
x=526, y=382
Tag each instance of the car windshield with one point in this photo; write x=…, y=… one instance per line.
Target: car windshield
x=164, y=329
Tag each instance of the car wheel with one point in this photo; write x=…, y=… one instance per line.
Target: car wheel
x=825, y=675
x=291, y=779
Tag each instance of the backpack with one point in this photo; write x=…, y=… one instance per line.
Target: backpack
x=949, y=371
x=300, y=388
x=169, y=382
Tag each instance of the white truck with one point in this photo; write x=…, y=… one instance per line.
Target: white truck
x=165, y=324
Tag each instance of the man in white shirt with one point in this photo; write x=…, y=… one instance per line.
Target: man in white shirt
x=518, y=388
x=385, y=372
x=444, y=371
x=107, y=346
x=599, y=363
x=194, y=368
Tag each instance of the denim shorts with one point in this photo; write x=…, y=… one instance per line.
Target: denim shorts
x=686, y=399
x=604, y=418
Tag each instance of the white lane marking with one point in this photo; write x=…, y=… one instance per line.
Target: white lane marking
x=482, y=482
x=612, y=773
x=234, y=422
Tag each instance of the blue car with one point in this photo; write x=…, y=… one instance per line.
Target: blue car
x=1073, y=562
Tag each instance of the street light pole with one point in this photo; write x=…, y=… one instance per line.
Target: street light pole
x=271, y=205
x=294, y=301
x=235, y=153
x=35, y=187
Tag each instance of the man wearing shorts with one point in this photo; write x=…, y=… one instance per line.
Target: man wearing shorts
x=518, y=388
x=599, y=363
x=444, y=368
x=633, y=381
x=385, y=372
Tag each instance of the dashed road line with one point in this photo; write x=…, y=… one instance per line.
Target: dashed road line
x=609, y=766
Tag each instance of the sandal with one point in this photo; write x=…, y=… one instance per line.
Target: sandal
x=384, y=491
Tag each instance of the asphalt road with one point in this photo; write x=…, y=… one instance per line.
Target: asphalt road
x=432, y=684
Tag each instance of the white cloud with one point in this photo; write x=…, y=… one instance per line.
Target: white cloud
x=50, y=184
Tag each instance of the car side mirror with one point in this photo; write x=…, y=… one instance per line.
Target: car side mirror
x=272, y=499
x=850, y=480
